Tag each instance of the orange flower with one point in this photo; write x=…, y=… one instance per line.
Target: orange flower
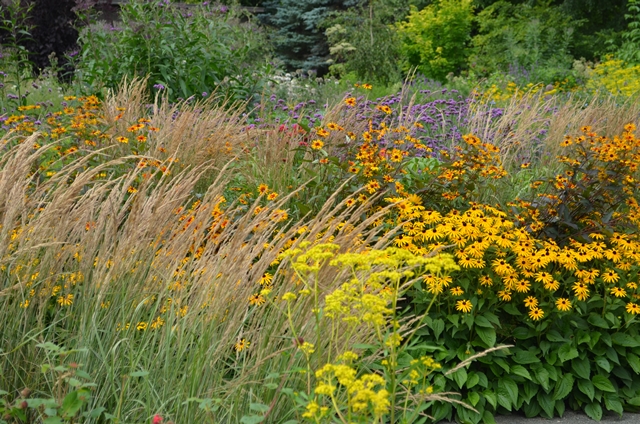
x=351, y=101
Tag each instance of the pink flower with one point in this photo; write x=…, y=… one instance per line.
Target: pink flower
x=157, y=419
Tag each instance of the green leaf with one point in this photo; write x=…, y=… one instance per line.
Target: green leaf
x=586, y=387
x=52, y=420
x=481, y=321
x=524, y=357
x=624, y=340
x=603, y=363
x=603, y=383
x=487, y=418
x=594, y=411
x=251, y=419
x=511, y=388
x=504, y=399
x=491, y=397
x=139, y=374
x=560, y=407
x=487, y=335
x=521, y=371
x=546, y=403
x=542, y=377
x=460, y=377
x=71, y=404
x=474, y=398
x=634, y=362
x=581, y=367
x=612, y=403
x=438, y=327
x=259, y=407
x=583, y=338
x=598, y=321
x=473, y=379
x=635, y=401
x=554, y=336
x=95, y=413
x=563, y=387
x=531, y=409
x=511, y=309
x=567, y=352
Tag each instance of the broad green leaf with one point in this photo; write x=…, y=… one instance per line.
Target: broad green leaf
x=251, y=419
x=598, y=321
x=546, y=403
x=603, y=383
x=511, y=388
x=481, y=321
x=491, y=397
x=581, y=367
x=542, y=376
x=560, y=407
x=504, y=399
x=139, y=374
x=259, y=407
x=472, y=379
x=530, y=390
x=624, y=340
x=634, y=362
x=583, y=338
x=521, y=371
x=554, y=336
x=487, y=335
x=603, y=363
x=487, y=418
x=635, y=401
x=460, y=377
x=524, y=357
x=52, y=420
x=95, y=413
x=586, y=387
x=594, y=411
x=71, y=404
x=567, y=352
x=438, y=327
x=612, y=403
x=563, y=387
x=531, y=409
x=523, y=333
x=474, y=398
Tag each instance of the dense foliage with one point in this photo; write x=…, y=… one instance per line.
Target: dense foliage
x=197, y=51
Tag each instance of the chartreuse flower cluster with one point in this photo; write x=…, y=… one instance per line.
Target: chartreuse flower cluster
x=364, y=309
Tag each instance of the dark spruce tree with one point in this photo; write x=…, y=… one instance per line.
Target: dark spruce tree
x=299, y=40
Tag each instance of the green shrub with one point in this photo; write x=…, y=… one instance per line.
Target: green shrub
x=362, y=41
x=531, y=40
x=435, y=39
x=188, y=53
x=630, y=49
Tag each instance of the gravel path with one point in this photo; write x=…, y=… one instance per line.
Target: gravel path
x=569, y=418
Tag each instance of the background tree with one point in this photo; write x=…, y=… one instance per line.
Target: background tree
x=300, y=42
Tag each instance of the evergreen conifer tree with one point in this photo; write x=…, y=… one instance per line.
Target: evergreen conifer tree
x=299, y=40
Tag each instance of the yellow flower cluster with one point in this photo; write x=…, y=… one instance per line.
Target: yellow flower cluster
x=366, y=395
